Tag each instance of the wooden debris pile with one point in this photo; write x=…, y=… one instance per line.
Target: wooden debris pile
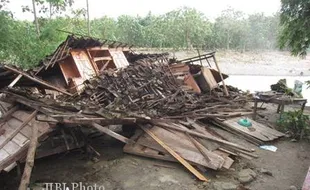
x=152, y=90
x=148, y=98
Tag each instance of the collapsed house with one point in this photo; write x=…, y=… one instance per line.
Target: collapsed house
x=166, y=104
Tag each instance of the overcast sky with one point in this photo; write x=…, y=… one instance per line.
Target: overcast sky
x=114, y=8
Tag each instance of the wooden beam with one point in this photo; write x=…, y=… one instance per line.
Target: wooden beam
x=37, y=80
x=70, y=119
x=16, y=131
x=198, y=146
x=30, y=158
x=15, y=81
x=167, y=125
x=218, y=69
x=93, y=62
x=175, y=155
x=107, y=58
x=112, y=133
x=104, y=66
x=97, y=48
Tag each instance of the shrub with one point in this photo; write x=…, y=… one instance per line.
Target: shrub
x=296, y=123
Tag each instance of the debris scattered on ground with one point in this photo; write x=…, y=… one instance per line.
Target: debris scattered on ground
x=87, y=86
x=269, y=147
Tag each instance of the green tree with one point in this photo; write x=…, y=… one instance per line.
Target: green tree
x=104, y=28
x=262, y=31
x=229, y=30
x=295, y=22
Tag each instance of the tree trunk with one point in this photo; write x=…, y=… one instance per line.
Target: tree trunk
x=50, y=10
x=228, y=41
x=88, y=21
x=35, y=17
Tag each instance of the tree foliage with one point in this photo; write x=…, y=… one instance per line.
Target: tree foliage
x=295, y=22
x=181, y=28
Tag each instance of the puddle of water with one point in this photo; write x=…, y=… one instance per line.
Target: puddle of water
x=262, y=83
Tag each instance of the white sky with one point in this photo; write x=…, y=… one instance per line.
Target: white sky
x=114, y=8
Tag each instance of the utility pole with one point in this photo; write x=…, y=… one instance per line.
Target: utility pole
x=88, y=21
x=35, y=17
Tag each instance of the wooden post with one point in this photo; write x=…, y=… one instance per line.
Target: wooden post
x=218, y=69
x=255, y=109
x=30, y=158
x=175, y=155
x=199, y=56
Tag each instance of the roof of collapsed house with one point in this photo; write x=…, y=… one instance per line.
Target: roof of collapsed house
x=170, y=105
x=75, y=42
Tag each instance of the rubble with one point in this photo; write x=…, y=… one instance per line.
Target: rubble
x=246, y=175
x=167, y=106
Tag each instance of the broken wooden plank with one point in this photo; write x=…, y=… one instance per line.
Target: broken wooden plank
x=11, y=147
x=165, y=125
x=112, y=133
x=140, y=150
x=21, y=116
x=37, y=80
x=14, y=123
x=8, y=114
x=248, y=138
x=257, y=130
x=206, y=80
x=30, y=158
x=198, y=146
x=175, y=155
x=15, y=81
x=3, y=155
x=10, y=167
x=18, y=129
x=183, y=147
x=22, y=152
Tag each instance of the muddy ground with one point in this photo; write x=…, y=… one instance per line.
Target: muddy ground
x=116, y=170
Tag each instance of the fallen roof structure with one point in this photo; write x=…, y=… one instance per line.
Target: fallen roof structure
x=166, y=105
